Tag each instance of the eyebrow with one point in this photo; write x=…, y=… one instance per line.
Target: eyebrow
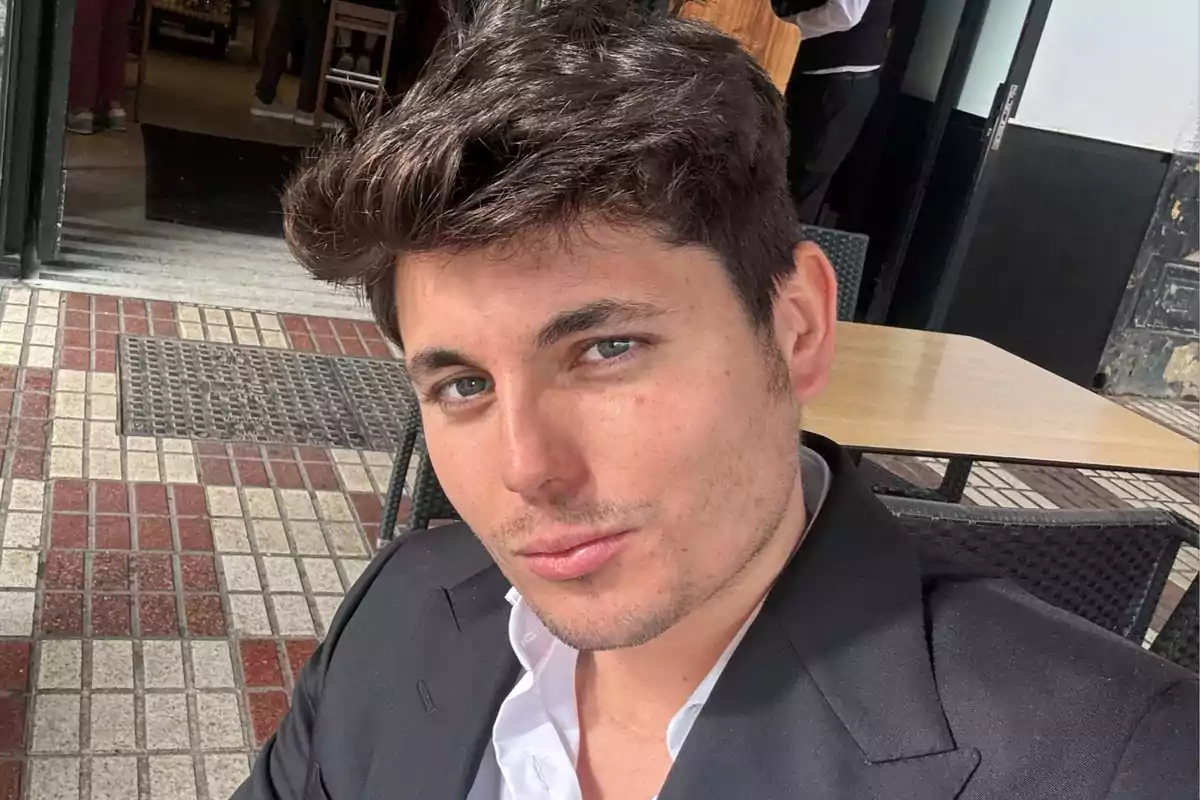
x=591, y=316
x=432, y=359
x=564, y=324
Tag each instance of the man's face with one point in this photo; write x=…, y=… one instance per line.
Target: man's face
x=608, y=421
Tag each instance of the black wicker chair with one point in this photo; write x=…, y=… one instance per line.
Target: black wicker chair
x=429, y=502
x=847, y=252
x=1109, y=567
x=1177, y=641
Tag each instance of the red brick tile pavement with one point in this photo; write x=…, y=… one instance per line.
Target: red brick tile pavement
x=64, y=569
x=111, y=615
x=10, y=779
x=62, y=614
x=260, y=662
x=266, y=709
x=1066, y=488
x=158, y=615
x=154, y=572
x=298, y=653
x=12, y=723
x=14, y=666
x=1188, y=487
x=204, y=615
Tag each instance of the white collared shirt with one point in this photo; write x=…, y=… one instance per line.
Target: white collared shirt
x=535, y=737
x=834, y=16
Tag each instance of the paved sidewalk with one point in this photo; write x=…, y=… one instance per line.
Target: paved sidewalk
x=158, y=595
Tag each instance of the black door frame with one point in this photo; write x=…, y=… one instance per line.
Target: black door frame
x=36, y=78
x=56, y=86
x=954, y=77
x=1004, y=108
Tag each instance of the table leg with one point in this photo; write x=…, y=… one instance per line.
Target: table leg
x=958, y=470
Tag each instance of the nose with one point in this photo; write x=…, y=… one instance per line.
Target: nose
x=541, y=459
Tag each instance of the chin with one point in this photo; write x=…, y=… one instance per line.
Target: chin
x=598, y=623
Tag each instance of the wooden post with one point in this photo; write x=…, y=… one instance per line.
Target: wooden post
x=772, y=42
x=143, y=58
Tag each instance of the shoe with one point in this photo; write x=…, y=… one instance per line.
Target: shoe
x=345, y=63
x=115, y=119
x=272, y=110
x=81, y=122
x=363, y=65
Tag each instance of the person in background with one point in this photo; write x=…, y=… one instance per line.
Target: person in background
x=833, y=85
x=98, y=49
x=309, y=17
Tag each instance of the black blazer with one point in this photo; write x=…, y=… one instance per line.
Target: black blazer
x=866, y=675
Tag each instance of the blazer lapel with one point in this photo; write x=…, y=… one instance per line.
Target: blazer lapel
x=465, y=669
x=831, y=694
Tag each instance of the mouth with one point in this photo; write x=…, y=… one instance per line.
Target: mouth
x=572, y=556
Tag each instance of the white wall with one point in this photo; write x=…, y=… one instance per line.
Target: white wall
x=989, y=65
x=1120, y=71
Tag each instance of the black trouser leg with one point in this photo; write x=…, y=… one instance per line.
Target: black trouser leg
x=314, y=17
x=825, y=115
x=279, y=46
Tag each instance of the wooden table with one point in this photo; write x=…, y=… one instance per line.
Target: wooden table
x=920, y=393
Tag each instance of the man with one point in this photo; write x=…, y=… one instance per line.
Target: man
x=306, y=19
x=833, y=85
x=577, y=222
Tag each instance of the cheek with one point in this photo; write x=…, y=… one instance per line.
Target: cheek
x=653, y=443
x=464, y=466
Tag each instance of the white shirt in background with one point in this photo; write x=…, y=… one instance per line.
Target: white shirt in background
x=834, y=16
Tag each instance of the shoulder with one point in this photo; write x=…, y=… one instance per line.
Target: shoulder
x=991, y=621
x=419, y=561
x=394, y=588
x=1013, y=672
x=441, y=556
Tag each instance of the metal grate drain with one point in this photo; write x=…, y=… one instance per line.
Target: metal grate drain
x=201, y=390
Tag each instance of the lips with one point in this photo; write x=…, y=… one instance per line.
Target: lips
x=572, y=556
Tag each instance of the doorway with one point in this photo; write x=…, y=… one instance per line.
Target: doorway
x=182, y=204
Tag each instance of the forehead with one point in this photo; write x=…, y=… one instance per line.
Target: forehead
x=513, y=289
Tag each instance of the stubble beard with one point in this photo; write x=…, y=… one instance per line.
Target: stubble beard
x=637, y=626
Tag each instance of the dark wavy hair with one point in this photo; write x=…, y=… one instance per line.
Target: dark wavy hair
x=534, y=121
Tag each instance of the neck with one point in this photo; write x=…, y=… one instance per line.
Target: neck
x=646, y=685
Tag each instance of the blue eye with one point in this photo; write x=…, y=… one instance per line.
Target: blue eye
x=608, y=349
x=463, y=388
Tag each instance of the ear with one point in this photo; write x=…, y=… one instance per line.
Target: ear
x=805, y=321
